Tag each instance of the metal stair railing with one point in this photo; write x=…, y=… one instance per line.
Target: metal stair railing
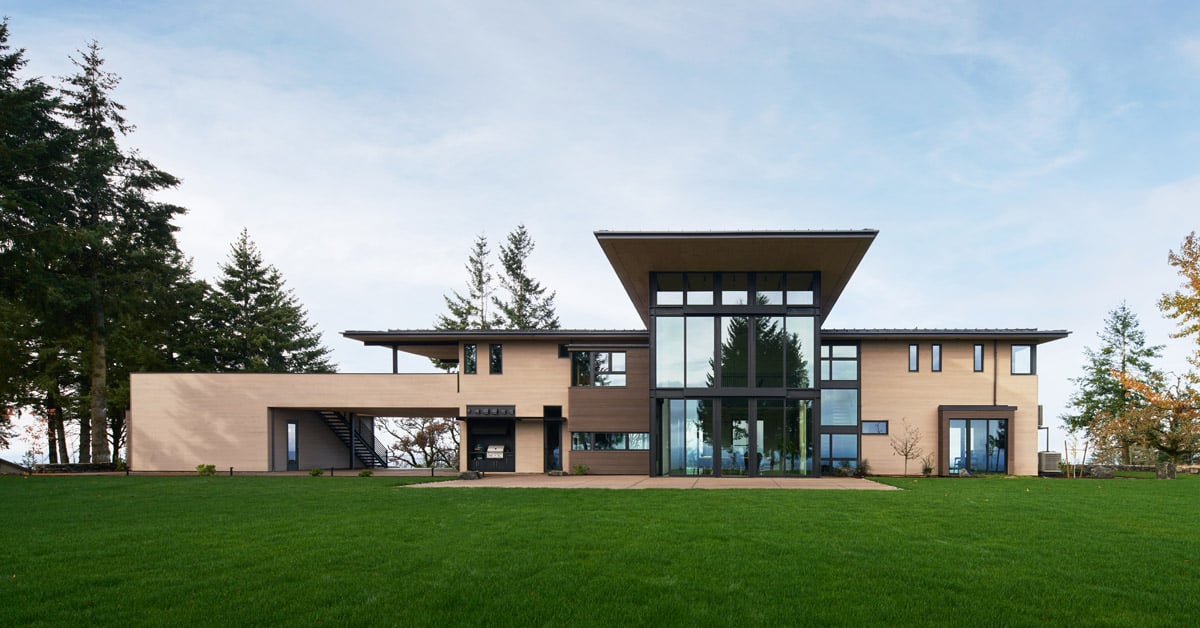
x=371, y=454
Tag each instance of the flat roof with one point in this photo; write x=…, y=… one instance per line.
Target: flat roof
x=1030, y=334
x=636, y=254
x=442, y=344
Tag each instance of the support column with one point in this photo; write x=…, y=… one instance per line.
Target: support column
x=352, y=437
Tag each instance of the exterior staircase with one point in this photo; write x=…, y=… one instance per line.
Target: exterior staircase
x=370, y=453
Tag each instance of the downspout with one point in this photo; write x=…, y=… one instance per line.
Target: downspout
x=995, y=369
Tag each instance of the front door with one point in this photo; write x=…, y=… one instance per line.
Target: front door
x=553, y=445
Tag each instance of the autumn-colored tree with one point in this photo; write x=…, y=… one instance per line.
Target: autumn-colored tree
x=1183, y=305
x=1166, y=421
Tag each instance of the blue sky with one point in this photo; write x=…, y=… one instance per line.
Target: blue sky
x=1028, y=164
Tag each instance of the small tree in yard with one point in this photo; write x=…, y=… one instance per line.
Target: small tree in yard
x=907, y=444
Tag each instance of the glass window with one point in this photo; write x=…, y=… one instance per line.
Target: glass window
x=978, y=358
x=769, y=288
x=735, y=436
x=670, y=289
x=687, y=437
x=978, y=445
x=839, y=406
x=874, y=427
x=935, y=362
x=839, y=454
x=913, y=358
x=1022, y=360
x=668, y=358
x=735, y=351
x=496, y=359
x=470, y=360
x=581, y=441
x=770, y=342
x=639, y=441
x=799, y=351
x=598, y=368
x=609, y=441
x=699, y=289
x=735, y=289
x=700, y=338
x=799, y=289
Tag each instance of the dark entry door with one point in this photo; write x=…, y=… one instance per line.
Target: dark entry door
x=553, y=431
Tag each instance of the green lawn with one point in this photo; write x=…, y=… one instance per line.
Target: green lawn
x=358, y=551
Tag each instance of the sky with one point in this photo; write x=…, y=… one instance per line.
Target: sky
x=1027, y=164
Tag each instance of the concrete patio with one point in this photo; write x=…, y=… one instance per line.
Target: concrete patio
x=645, y=482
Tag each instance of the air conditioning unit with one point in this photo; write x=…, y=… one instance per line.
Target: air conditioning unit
x=1048, y=462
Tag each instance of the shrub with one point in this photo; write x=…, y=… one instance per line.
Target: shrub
x=206, y=469
x=316, y=472
x=863, y=469
x=580, y=469
x=119, y=465
x=365, y=473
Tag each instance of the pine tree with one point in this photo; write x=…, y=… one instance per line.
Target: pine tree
x=119, y=237
x=528, y=306
x=1101, y=395
x=471, y=311
x=259, y=325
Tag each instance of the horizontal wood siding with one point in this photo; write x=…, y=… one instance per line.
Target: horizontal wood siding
x=605, y=409
x=613, y=462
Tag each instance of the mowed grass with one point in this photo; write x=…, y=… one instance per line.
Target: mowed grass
x=358, y=551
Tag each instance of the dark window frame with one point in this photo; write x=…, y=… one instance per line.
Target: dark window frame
x=586, y=441
x=827, y=360
x=978, y=358
x=875, y=422
x=470, y=359
x=595, y=372
x=935, y=357
x=496, y=359
x=1012, y=365
x=914, y=358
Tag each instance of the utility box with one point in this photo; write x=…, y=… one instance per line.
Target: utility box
x=1048, y=463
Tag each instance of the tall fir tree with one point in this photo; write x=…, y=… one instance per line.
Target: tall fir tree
x=259, y=325
x=528, y=305
x=472, y=311
x=1100, y=394
x=120, y=238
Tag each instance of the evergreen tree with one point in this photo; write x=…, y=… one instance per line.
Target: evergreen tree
x=1101, y=394
x=471, y=311
x=119, y=237
x=259, y=325
x=528, y=306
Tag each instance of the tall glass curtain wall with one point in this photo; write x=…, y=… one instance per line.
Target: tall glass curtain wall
x=735, y=379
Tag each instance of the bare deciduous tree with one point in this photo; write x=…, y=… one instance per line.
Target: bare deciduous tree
x=423, y=441
x=907, y=443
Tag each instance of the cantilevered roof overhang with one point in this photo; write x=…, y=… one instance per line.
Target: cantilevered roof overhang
x=443, y=344
x=636, y=254
x=1036, y=336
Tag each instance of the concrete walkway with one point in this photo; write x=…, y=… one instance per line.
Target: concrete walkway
x=643, y=481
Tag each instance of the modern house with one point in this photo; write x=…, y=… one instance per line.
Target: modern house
x=734, y=374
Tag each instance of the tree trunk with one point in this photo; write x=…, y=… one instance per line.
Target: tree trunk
x=85, y=440
x=51, y=437
x=60, y=428
x=99, y=392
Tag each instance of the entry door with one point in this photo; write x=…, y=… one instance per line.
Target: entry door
x=553, y=431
